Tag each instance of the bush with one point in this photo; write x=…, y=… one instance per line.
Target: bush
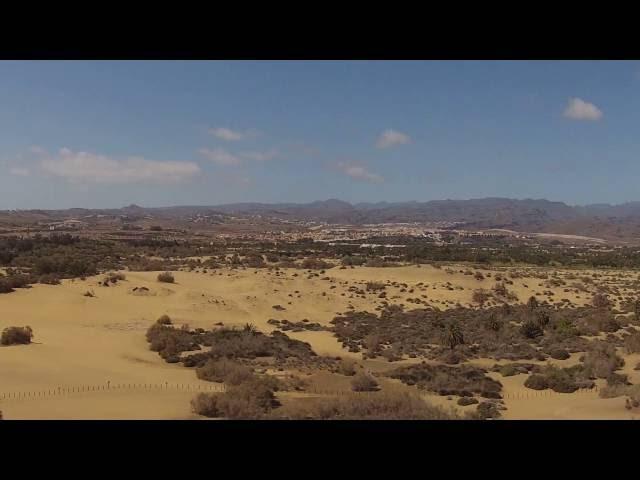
x=632, y=342
x=164, y=320
x=347, y=367
x=49, y=279
x=224, y=371
x=249, y=400
x=508, y=370
x=559, y=353
x=16, y=336
x=601, y=360
x=166, y=277
x=480, y=296
x=561, y=380
x=536, y=382
x=364, y=383
x=315, y=264
x=464, y=401
x=206, y=404
x=464, y=380
x=531, y=329
x=391, y=405
x=486, y=410
x=114, y=277
x=617, y=379
x=600, y=300
x=375, y=286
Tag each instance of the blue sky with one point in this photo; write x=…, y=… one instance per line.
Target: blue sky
x=108, y=134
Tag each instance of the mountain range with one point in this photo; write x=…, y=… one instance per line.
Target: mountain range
x=619, y=222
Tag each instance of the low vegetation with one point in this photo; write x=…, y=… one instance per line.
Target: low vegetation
x=383, y=405
x=166, y=277
x=252, y=399
x=561, y=380
x=16, y=336
x=465, y=380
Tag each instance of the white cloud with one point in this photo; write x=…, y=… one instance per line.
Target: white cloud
x=89, y=167
x=230, y=135
x=224, y=158
x=19, y=171
x=220, y=157
x=578, y=109
x=390, y=137
x=360, y=173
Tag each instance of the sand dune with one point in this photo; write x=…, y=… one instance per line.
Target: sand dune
x=91, y=341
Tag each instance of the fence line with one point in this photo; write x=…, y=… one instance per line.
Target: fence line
x=64, y=390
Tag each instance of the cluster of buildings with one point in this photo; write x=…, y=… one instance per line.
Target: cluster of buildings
x=66, y=225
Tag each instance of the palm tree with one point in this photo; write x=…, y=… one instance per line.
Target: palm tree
x=453, y=336
x=250, y=328
x=542, y=318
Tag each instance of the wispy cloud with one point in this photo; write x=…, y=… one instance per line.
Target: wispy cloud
x=224, y=158
x=220, y=157
x=359, y=173
x=578, y=109
x=94, y=168
x=390, y=138
x=229, y=135
x=19, y=171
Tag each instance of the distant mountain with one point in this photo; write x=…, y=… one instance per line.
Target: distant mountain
x=528, y=215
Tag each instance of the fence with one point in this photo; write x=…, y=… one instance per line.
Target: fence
x=65, y=390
